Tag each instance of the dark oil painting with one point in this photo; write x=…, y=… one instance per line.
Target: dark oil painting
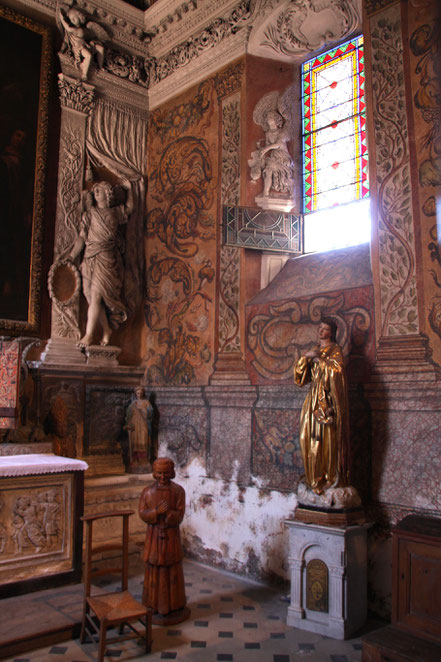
x=22, y=88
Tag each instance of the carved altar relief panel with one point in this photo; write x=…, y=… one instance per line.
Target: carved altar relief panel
x=35, y=526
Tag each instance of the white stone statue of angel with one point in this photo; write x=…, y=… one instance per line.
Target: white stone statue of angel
x=273, y=162
x=102, y=265
x=82, y=37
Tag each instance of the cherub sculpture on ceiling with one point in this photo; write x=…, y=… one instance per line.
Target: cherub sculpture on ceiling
x=272, y=161
x=83, y=38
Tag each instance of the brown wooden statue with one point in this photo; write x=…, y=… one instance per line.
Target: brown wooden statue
x=162, y=506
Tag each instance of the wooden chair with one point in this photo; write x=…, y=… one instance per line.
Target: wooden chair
x=117, y=608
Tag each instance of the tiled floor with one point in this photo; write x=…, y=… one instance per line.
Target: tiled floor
x=232, y=620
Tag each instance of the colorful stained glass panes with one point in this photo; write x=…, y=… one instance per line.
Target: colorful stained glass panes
x=335, y=158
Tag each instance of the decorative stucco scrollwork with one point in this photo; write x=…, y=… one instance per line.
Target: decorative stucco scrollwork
x=306, y=26
x=211, y=35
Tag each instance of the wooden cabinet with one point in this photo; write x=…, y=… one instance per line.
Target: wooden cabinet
x=416, y=582
x=415, y=633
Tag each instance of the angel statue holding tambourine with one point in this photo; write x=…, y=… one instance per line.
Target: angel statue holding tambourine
x=83, y=38
x=273, y=162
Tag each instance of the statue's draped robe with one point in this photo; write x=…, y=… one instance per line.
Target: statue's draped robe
x=102, y=266
x=139, y=416
x=164, y=589
x=324, y=437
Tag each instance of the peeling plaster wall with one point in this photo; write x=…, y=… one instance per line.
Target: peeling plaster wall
x=239, y=529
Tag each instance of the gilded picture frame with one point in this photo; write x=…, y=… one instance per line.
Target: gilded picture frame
x=25, y=81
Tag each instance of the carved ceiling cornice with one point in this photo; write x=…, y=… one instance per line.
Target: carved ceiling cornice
x=176, y=43
x=198, y=69
x=170, y=24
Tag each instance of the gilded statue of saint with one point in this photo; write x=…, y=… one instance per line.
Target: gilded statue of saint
x=324, y=424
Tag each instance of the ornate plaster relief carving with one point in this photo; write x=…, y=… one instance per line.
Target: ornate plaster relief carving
x=200, y=68
x=297, y=27
x=396, y=236
x=169, y=24
x=75, y=95
x=200, y=41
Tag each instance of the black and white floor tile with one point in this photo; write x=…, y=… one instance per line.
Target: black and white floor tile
x=232, y=620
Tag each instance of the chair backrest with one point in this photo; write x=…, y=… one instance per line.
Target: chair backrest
x=92, y=551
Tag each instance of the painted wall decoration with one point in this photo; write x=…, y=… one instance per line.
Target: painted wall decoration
x=181, y=240
x=282, y=320
x=399, y=312
x=172, y=122
x=25, y=72
x=278, y=336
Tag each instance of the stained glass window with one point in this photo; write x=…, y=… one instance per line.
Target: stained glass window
x=335, y=158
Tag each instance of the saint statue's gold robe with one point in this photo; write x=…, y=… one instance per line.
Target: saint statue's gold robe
x=324, y=424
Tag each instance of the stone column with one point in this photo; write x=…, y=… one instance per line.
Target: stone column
x=296, y=607
x=337, y=594
x=76, y=98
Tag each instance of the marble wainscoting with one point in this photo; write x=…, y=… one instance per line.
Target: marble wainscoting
x=406, y=466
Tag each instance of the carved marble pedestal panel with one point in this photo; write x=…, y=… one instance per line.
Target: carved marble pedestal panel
x=328, y=578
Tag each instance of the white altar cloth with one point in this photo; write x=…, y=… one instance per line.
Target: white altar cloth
x=38, y=463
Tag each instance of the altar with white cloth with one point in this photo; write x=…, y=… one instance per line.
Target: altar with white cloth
x=41, y=502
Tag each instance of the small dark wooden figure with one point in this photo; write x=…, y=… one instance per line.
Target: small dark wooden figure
x=162, y=506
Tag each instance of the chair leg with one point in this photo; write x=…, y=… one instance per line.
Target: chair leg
x=148, y=631
x=83, y=624
x=121, y=628
x=102, y=643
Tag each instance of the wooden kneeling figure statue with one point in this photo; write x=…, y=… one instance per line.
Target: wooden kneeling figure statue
x=162, y=506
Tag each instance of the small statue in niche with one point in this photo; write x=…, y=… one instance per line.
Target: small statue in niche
x=102, y=266
x=162, y=506
x=324, y=423
x=273, y=162
x=138, y=423
x=82, y=37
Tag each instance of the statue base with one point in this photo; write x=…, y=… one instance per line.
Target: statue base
x=274, y=203
x=102, y=355
x=172, y=618
x=328, y=578
x=329, y=516
x=330, y=498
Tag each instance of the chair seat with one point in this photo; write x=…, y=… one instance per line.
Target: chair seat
x=113, y=607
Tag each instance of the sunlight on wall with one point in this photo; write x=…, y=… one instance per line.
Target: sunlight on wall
x=337, y=227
